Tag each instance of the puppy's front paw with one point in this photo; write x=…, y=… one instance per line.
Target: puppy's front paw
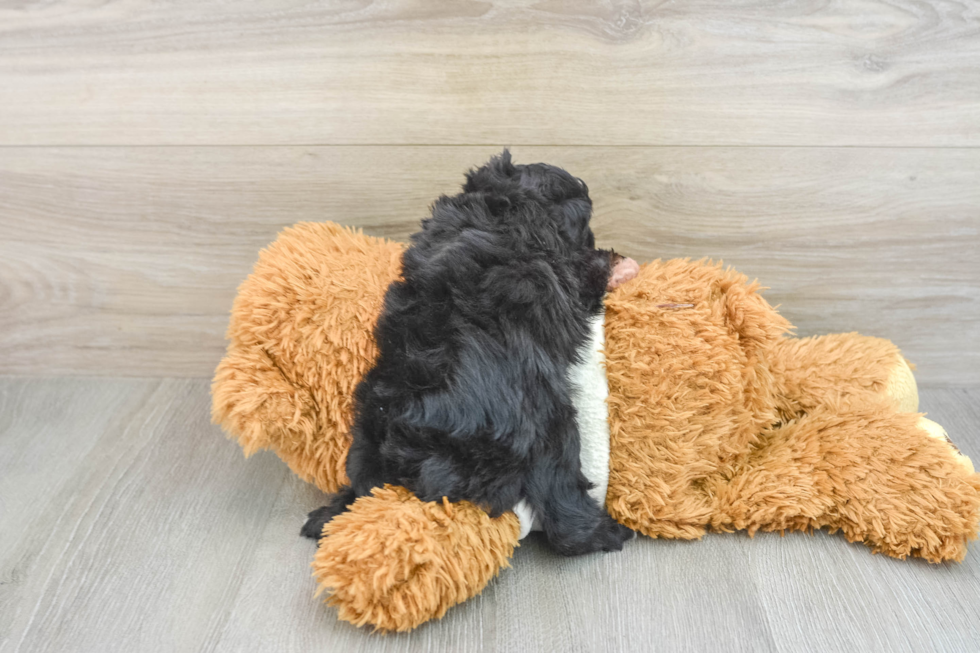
x=313, y=528
x=624, y=269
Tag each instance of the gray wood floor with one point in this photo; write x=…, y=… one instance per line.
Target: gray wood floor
x=128, y=523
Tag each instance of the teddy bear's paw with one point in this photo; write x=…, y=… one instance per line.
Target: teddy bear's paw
x=395, y=562
x=938, y=432
x=901, y=387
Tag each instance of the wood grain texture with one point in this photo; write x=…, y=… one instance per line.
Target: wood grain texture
x=808, y=72
x=129, y=523
x=124, y=261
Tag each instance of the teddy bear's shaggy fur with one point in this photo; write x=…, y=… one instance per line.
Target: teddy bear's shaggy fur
x=718, y=421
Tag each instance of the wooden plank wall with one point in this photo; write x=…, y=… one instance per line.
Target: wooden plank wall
x=149, y=150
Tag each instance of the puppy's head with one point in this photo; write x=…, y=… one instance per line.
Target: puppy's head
x=507, y=186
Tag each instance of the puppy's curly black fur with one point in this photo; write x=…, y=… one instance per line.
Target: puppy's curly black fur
x=469, y=397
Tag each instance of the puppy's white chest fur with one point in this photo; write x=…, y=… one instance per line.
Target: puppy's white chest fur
x=589, y=393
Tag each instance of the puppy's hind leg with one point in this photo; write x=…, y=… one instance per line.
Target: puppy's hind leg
x=573, y=522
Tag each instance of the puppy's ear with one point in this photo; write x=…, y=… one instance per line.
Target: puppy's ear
x=498, y=204
x=496, y=171
x=575, y=216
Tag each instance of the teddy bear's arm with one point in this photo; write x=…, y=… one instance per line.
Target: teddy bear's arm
x=395, y=562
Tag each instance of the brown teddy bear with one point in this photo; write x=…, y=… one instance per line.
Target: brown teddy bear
x=697, y=413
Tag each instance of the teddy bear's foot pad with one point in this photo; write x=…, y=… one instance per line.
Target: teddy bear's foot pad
x=938, y=432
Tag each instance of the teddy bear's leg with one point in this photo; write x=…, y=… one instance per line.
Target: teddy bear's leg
x=811, y=372
x=889, y=479
x=395, y=562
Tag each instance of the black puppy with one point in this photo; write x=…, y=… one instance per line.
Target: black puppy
x=469, y=397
